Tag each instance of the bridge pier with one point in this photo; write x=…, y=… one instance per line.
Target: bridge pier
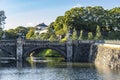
x=69, y=50
x=19, y=49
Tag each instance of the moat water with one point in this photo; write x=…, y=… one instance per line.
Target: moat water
x=54, y=69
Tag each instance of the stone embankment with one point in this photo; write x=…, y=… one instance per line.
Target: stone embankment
x=106, y=55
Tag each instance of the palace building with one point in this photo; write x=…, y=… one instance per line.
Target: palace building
x=41, y=28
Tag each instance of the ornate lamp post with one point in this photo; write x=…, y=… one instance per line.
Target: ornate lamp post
x=23, y=36
x=2, y=21
x=116, y=29
x=69, y=34
x=19, y=48
x=69, y=47
x=19, y=34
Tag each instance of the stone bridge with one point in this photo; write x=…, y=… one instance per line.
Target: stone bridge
x=70, y=50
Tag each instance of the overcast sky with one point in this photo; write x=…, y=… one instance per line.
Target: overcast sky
x=33, y=12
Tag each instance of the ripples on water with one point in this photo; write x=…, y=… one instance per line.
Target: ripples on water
x=55, y=71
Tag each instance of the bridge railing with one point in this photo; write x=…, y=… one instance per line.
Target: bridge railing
x=40, y=42
x=45, y=42
x=98, y=41
x=86, y=41
x=7, y=42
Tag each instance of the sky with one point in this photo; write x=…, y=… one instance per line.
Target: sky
x=33, y=12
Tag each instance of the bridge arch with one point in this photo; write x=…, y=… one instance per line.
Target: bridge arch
x=28, y=52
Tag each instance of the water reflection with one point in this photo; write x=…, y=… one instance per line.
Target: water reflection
x=53, y=69
x=108, y=74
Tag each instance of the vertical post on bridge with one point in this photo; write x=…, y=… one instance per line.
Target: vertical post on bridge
x=69, y=51
x=2, y=22
x=19, y=48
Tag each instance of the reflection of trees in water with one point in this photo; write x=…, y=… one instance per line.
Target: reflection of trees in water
x=54, y=61
x=45, y=61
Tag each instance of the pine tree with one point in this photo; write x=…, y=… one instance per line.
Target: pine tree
x=74, y=35
x=98, y=33
x=90, y=36
x=81, y=35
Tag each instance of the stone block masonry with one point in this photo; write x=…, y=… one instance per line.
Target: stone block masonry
x=106, y=55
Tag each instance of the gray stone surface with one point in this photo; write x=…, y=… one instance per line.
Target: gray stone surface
x=106, y=56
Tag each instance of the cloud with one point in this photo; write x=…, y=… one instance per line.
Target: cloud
x=78, y=5
x=30, y=24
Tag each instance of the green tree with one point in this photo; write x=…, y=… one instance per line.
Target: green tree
x=49, y=53
x=74, y=35
x=44, y=36
x=60, y=27
x=81, y=35
x=21, y=29
x=51, y=32
x=85, y=19
x=53, y=38
x=73, y=18
x=90, y=36
x=11, y=34
x=115, y=18
x=30, y=33
x=1, y=32
x=98, y=33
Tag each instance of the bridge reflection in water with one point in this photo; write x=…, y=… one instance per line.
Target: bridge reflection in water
x=55, y=71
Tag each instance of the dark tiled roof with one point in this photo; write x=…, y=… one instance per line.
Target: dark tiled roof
x=42, y=24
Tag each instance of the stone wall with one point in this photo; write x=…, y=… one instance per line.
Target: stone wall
x=106, y=55
x=81, y=51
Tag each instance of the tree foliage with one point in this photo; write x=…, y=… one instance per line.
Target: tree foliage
x=90, y=36
x=74, y=35
x=81, y=19
x=81, y=35
x=98, y=33
x=87, y=19
x=30, y=33
x=13, y=33
x=1, y=32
